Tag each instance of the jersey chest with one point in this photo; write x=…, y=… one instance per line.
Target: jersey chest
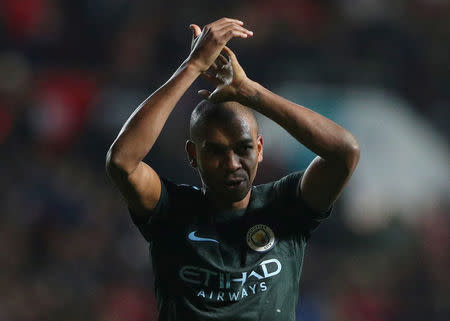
x=225, y=261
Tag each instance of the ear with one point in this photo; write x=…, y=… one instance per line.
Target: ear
x=260, y=142
x=191, y=153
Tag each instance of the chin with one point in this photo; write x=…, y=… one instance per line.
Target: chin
x=237, y=195
x=229, y=194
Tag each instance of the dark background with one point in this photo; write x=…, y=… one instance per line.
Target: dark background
x=71, y=72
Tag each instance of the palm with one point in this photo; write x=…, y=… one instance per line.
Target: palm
x=227, y=75
x=223, y=73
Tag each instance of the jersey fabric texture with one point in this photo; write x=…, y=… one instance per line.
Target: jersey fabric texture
x=240, y=265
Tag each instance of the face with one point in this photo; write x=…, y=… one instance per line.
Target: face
x=227, y=158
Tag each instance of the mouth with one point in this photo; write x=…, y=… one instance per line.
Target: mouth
x=234, y=183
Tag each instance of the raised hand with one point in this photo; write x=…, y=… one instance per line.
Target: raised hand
x=208, y=43
x=228, y=77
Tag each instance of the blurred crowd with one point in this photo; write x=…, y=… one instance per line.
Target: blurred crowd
x=71, y=72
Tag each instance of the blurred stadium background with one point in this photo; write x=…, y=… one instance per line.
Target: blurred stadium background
x=72, y=71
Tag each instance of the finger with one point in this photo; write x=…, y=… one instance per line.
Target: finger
x=221, y=60
x=233, y=27
x=225, y=21
x=230, y=25
x=234, y=34
x=204, y=93
x=222, y=23
x=217, y=96
x=213, y=68
x=211, y=78
x=196, y=30
x=231, y=55
x=222, y=63
x=229, y=33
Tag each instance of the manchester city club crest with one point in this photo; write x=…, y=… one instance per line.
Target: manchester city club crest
x=260, y=238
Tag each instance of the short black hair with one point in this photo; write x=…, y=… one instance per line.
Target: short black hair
x=207, y=112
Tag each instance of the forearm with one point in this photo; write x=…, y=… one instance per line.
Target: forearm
x=318, y=133
x=143, y=127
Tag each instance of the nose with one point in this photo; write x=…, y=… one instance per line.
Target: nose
x=231, y=161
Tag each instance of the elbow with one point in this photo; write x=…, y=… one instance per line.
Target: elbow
x=111, y=164
x=116, y=164
x=352, y=153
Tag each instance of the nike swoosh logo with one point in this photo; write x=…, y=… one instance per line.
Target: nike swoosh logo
x=192, y=237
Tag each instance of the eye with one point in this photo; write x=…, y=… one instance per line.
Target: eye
x=244, y=149
x=214, y=150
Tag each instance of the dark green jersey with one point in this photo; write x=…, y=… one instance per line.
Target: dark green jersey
x=240, y=265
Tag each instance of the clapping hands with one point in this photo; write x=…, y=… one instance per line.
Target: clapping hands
x=216, y=62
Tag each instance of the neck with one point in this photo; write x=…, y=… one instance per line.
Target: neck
x=224, y=205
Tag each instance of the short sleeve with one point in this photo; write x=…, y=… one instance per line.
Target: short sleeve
x=160, y=211
x=303, y=217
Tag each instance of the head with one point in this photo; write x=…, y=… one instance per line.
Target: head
x=225, y=148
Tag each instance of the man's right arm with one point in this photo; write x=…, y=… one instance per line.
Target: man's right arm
x=138, y=182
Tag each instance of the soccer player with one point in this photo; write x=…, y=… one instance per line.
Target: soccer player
x=228, y=250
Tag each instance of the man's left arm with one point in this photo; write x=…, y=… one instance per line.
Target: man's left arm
x=337, y=149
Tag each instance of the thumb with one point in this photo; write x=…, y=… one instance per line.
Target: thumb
x=204, y=93
x=231, y=55
x=196, y=31
x=217, y=96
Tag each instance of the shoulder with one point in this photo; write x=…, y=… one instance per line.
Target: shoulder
x=289, y=184
x=286, y=185
x=285, y=188
x=177, y=196
x=180, y=190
